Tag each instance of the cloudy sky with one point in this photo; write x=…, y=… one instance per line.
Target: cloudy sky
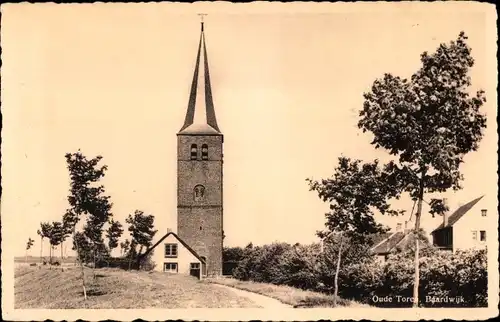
x=113, y=80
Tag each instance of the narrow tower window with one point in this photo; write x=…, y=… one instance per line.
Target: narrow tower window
x=194, y=152
x=199, y=192
x=204, y=152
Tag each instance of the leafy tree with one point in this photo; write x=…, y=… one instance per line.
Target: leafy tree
x=45, y=232
x=29, y=244
x=69, y=222
x=83, y=247
x=113, y=233
x=57, y=235
x=354, y=192
x=125, y=247
x=141, y=228
x=40, y=233
x=428, y=124
x=86, y=197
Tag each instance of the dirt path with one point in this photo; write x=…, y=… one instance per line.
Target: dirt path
x=261, y=300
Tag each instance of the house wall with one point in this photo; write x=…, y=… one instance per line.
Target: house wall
x=473, y=221
x=443, y=238
x=381, y=258
x=184, y=256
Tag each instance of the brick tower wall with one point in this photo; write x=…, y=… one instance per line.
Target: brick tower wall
x=200, y=222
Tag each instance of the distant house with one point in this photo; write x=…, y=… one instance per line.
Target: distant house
x=173, y=255
x=392, y=242
x=463, y=229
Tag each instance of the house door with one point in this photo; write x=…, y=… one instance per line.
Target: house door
x=195, y=270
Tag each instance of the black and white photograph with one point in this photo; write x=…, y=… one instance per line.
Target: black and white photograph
x=257, y=161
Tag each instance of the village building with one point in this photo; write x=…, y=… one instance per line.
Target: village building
x=196, y=248
x=394, y=242
x=464, y=229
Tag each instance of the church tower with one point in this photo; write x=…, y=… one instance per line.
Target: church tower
x=199, y=171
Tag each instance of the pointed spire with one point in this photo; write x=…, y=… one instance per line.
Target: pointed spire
x=200, y=115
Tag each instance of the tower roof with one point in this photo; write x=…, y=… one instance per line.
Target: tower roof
x=200, y=116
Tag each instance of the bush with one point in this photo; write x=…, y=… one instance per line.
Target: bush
x=116, y=262
x=446, y=279
x=146, y=263
x=462, y=275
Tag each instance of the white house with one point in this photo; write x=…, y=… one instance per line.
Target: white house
x=465, y=228
x=172, y=255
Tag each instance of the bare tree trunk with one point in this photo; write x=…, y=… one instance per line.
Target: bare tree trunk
x=129, y=259
x=139, y=258
x=337, y=270
x=417, y=231
x=81, y=265
x=93, y=268
x=41, y=250
x=26, y=260
x=130, y=256
x=50, y=256
x=62, y=267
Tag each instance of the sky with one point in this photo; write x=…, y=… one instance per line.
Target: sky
x=114, y=80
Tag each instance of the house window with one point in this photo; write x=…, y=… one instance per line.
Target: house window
x=204, y=152
x=474, y=235
x=170, y=250
x=195, y=265
x=194, y=152
x=482, y=235
x=483, y=212
x=170, y=267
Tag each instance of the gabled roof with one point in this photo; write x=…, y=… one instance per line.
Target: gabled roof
x=180, y=240
x=459, y=213
x=388, y=244
x=200, y=116
x=378, y=238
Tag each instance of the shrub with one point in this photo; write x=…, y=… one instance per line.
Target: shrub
x=146, y=263
x=299, y=267
x=116, y=262
x=462, y=275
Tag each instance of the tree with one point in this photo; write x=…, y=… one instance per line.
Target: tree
x=86, y=197
x=45, y=232
x=428, y=124
x=141, y=228
x=57, y=235
x=29, y=244
x=125, y=247
x=113, y=233
x=354, y=192
x=69, y=222
x=39, y=233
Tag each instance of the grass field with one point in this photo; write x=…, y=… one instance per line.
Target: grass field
x=46, y=288
x=285, y=294
x=36, y=259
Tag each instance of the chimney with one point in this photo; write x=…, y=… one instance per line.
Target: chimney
x=445, y=214
x=408, y=226
x=399, y=227
x=169, y=230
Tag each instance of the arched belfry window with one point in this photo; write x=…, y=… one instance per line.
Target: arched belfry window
x=194, y=152
x=204, y=152
x=199, y=192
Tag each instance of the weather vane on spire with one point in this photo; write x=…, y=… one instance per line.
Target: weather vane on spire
x=201, y=17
